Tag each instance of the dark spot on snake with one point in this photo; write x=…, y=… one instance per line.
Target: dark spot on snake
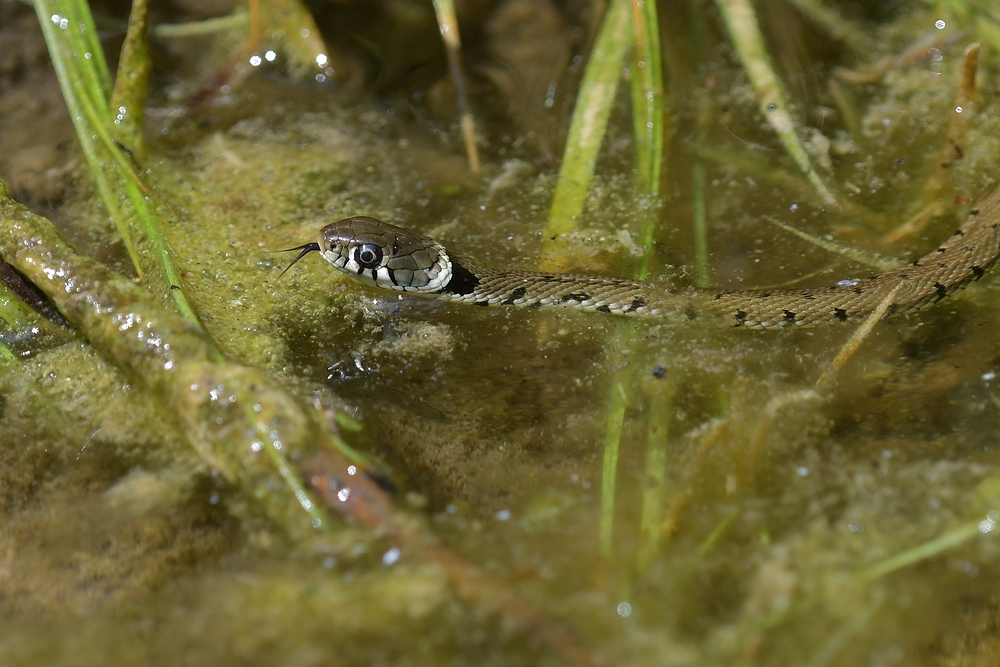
x=691, y=313
x=741, y=318
x=480, y=303
x=717, y=296
x=958, y=232
x=659, y=372
x=974, y=212
x=808, y=297
x=462, y=280
x=942, y=249
x=789, y=315
x=515, y=295
x=916, y=262
x=395, y=246
x=637, y=303
x=841, y=314
x=942, y=291
x=764, y=295
x=175, y=287
x=579, y=296
x=978, y=271
x=392, y=276
x=603, y=309
x=858, y=291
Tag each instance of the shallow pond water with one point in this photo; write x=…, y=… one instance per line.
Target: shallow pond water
x=755, y=517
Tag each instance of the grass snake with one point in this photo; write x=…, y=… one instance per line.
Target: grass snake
x=390, y=257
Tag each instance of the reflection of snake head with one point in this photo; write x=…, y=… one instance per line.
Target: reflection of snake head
x=386, y=256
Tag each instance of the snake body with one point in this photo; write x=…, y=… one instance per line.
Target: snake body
x=391, y=257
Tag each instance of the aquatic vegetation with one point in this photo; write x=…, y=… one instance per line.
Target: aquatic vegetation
x=499, y=486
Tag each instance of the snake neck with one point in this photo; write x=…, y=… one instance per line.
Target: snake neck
x=481, y=286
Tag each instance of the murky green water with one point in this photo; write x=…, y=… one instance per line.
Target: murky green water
x=750, y=506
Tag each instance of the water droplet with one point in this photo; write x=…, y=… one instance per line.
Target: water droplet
x=391, y=556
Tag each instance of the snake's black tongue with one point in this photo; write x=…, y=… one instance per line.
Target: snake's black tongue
x=305, y=248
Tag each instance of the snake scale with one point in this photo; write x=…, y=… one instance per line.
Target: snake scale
x=390, y=257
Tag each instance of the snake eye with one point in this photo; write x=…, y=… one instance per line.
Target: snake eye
x=368, y=256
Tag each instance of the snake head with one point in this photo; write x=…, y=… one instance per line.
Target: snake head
x=380, y=254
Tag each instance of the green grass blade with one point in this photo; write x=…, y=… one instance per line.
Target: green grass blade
x=82, y=113
x=81, y=80
x=648, y=118
x=699, y=224
x=132, y=83
x=647, y=95
x=744, y=31
x=655, y=492
x=609, y=469
x=81, y=9
x=950, y=539
x=835, y=24
x=235, y=21
x=590, y=120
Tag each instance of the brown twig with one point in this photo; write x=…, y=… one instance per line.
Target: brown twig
x=448, y=23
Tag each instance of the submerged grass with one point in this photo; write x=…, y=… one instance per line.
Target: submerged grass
x=836, y=25
x=221, y=24
x=949, y=540
x=718, y=542
x=744, y=31
x=586, y=131
x=648, y=120
x=626, y=23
